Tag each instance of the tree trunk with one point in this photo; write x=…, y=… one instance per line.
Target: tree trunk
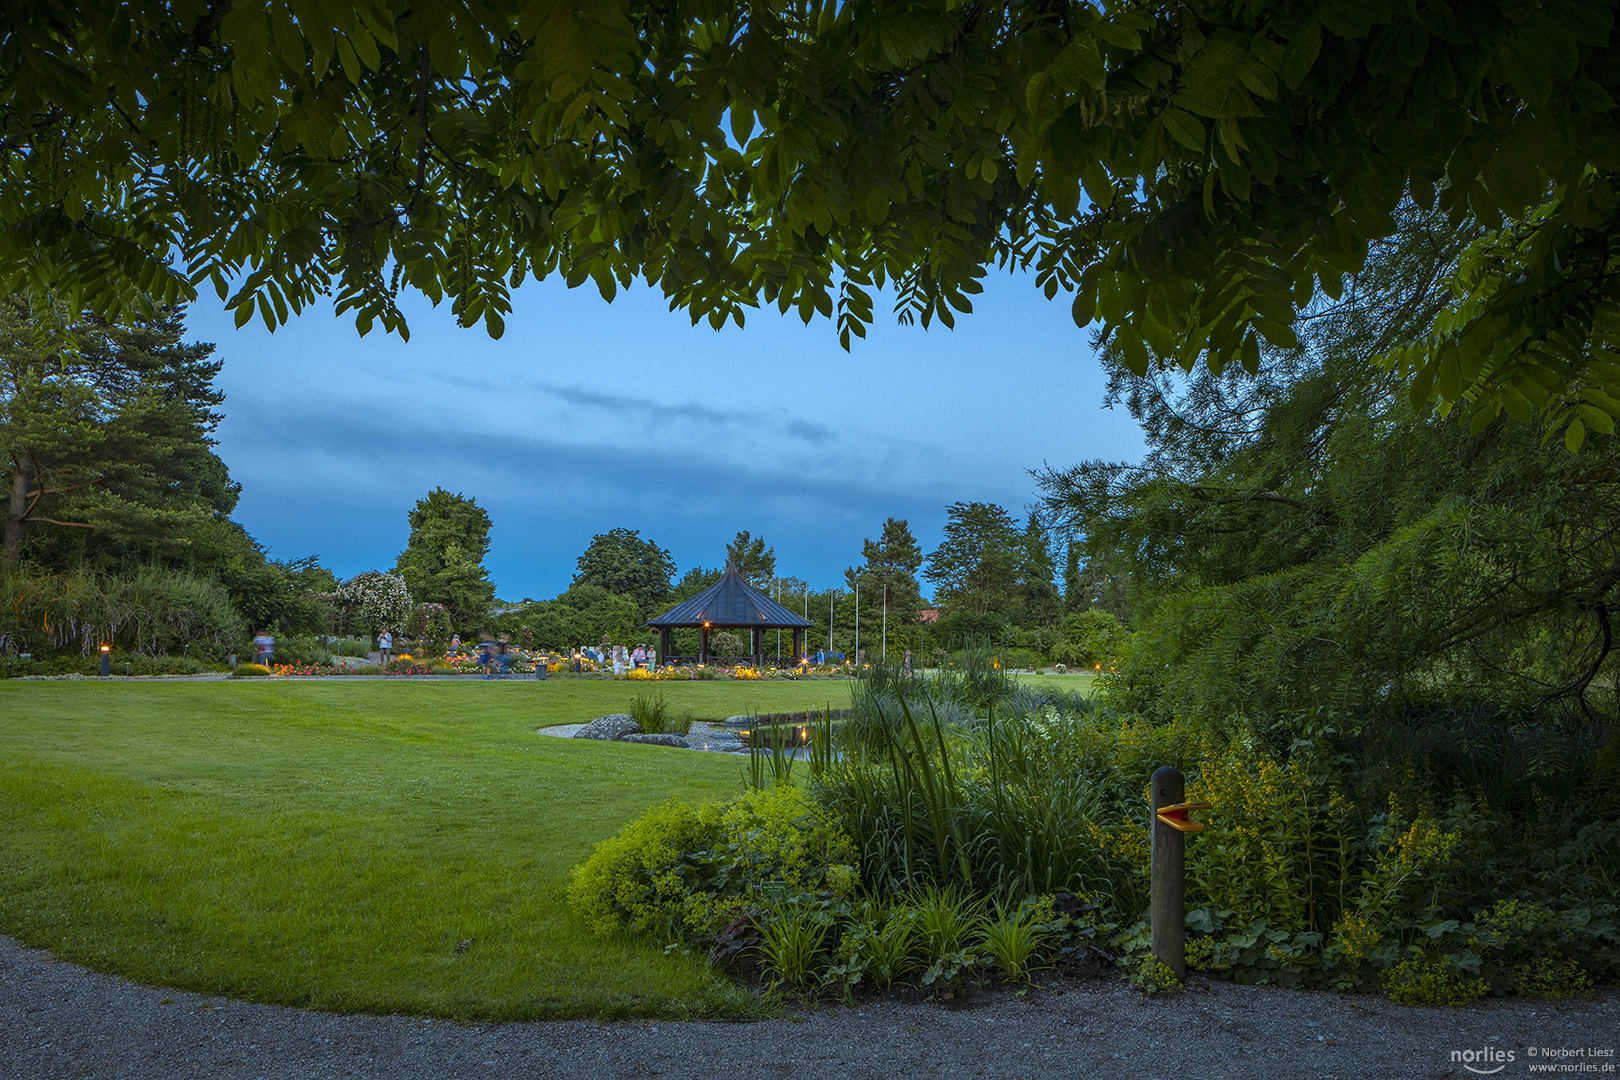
x=22, y=480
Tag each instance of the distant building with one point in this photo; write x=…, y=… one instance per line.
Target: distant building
x=928, y=615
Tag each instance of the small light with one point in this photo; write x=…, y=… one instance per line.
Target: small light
x=106, y=648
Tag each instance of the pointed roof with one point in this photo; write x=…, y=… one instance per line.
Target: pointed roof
x=731, y=601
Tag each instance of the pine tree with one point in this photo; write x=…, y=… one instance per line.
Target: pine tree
x=105, y=447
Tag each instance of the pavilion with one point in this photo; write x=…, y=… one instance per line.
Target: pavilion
x=729, y=604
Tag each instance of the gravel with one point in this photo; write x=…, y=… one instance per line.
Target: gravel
x=58, y=1020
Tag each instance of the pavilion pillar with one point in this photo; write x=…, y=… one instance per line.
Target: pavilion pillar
x=663, y=644
x=756, y=639
x=703, y=644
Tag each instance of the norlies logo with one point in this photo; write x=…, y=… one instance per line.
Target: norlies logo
x=1485, y=1056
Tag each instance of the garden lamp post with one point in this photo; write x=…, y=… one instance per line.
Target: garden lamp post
x=106, y=660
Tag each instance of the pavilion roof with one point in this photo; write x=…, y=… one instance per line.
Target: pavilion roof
x=731, y=601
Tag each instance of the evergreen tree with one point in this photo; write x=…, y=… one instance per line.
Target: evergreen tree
x=1072, y=600
x=976, y=568
x=753, y=560
x=105, y=443
x=1302, y=544
x=888, y=578
x=1038, y=592
x=443, y=561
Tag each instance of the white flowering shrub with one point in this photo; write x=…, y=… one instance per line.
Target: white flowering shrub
x=380, y=599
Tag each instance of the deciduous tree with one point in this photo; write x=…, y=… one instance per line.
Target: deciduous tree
x=621, y=562
x=443, y=561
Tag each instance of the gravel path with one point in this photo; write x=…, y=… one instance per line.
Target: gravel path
x=61, y=1022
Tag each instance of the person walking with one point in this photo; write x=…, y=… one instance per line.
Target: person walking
x=621, y=660
x=503, y=654
x=385, y=647
x=905, y=665
x=638, y=659
x=264, y=648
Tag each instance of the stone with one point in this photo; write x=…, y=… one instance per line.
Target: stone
x=660, y=739
x=613, y=728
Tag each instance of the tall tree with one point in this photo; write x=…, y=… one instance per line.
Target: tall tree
x=624, y=564
x=1038, y=592
x=1072, y=600
x=1195, y=174
x=889, y=573
x=105, y=446
x=753, y=560
x=443, y=561
x=975, y=568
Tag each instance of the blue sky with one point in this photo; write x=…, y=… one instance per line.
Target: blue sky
x=589, y=416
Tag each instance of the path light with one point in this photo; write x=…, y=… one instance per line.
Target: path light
x=106, y=660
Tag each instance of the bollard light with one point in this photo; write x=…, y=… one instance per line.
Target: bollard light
x=106, y=660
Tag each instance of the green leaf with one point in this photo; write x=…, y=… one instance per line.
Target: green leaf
x=1300, y=56
x=1597, y=418
x=1574, y=436
x=1185, y=129
x=1081, y=311
x=1250, y=358
x=1135, y=352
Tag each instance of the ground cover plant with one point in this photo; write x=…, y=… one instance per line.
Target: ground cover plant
x=374, y=846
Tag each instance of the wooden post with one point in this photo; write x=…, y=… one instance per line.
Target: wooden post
x=703, y=644
x=1169, y=882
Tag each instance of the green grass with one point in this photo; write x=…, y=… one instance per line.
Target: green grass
x=1068, y=683
x=330, y=844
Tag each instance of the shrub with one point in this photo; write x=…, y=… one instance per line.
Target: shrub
x=245, y=671
x=1153, y=977
x=676, y=869
x=1550, y=977
x=150, y=612
x=354, y=646
x=1428, y=982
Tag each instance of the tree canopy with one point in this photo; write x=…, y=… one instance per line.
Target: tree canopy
x=1195, y=175
x=624, y=564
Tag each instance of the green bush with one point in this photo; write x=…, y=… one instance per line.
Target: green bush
x=1428, y=982
x=349, y=646
x=151, y=612
x=676, y=869
x=245, y=671
x=1152, y=977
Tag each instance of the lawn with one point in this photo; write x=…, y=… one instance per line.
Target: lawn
x=334, y=844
